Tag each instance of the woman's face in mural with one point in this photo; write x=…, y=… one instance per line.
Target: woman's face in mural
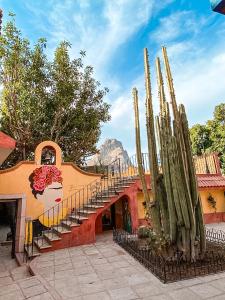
x=51, y=195
x=46, y=183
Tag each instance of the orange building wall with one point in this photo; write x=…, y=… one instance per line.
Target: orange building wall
x=217, y=194
x=16, y=180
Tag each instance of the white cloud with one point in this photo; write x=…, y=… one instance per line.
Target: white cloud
x=173, y=26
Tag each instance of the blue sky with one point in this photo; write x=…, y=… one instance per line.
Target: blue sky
x=114, y=32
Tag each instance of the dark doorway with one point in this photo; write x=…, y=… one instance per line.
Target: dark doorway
x=126, y=216
x=108, y=218
x=8, y=213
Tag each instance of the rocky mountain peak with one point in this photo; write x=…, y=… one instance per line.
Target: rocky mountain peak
x=110, y=150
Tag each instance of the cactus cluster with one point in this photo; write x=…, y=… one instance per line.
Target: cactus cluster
x=175, y=207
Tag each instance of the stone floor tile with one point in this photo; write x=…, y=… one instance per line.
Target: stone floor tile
x=128, y=271
x=108, y=274
x=16, y=295
x=69, y=292
x=120, y=264
x=160, y=297
x=83, y=270
x=219, y=283
x=4, y=273
x=46, y=263
x=65, y=282
x=63, y=274
x=64, y=267
x=34, y=290
x=45, y=296
x=5, y=281
x=104, y=267
x=62, y=261
x=91, y=288
x=115, y=283
x=91, y=251
x=76, y=251
x=147, y=289
x=88, y=278
x=114, y=258
x=184, y=294
x=189, y=282
x=45, y=270
x=209, y=278
x=26, y=283
x=221, y=297
x=138, y=278
x=205, y=290
x=98, y=261
x=97, y=296
x=125, y=293
x=9, y=289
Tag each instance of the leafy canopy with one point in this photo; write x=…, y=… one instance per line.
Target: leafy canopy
x=55, y=100
x=211, y=136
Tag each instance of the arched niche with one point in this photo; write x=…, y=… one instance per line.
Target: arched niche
x=48, y=148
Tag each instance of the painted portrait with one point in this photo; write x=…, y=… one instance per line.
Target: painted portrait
x=46, y=184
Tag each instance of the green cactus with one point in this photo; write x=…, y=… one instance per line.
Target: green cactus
x=175, y=209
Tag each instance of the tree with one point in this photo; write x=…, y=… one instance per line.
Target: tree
x=211, y=136
x=55, y=100
x=200, y=139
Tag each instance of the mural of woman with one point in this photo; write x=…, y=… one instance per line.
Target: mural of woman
x=46, y=184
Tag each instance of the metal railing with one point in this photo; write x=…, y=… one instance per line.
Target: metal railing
x=171, y=270
x=118, y=165
x=74, y=209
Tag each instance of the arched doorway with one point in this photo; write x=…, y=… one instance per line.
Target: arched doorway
x=117, y=215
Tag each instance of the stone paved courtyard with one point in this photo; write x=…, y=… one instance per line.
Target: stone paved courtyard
x=99, y=271
x=105, y=271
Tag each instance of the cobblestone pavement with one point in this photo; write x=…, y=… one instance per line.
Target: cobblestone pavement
x=105, y=271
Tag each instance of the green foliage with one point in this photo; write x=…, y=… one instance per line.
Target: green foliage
x=55, y=100
x=144, y=232
x=211, y=136
x=199, y=139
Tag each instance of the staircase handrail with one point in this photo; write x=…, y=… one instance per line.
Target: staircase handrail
x=65, y=199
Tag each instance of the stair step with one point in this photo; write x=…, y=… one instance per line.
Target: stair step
x=102, y=196
x=51, y=236
x=86, y=211
x=69, y=223
x=117, y=190
x=124, y=186
x=41, y=243
x=61, y=229
x=32, y=251
x=93, y=206
x=78, y=217
x=99, y=200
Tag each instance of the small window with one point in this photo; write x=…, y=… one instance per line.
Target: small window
x=48, y=156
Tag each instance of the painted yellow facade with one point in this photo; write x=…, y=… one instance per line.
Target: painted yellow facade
x=219, y=197
x=217, y=194
x=16, y=180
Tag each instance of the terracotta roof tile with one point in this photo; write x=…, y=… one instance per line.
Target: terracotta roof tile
x=205, y=181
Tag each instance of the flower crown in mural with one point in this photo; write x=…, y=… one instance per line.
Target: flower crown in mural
x=44, y=176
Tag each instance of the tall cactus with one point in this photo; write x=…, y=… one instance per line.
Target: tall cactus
x=175, y=209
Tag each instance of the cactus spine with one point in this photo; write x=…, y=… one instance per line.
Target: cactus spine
x=175, y=209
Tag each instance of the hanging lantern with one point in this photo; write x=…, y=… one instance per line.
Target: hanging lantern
x=218, y=6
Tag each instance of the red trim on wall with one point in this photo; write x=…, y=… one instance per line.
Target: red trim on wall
x=6, y=141
x=214, y=217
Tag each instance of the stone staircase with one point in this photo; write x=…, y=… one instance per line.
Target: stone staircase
x=78, y=227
